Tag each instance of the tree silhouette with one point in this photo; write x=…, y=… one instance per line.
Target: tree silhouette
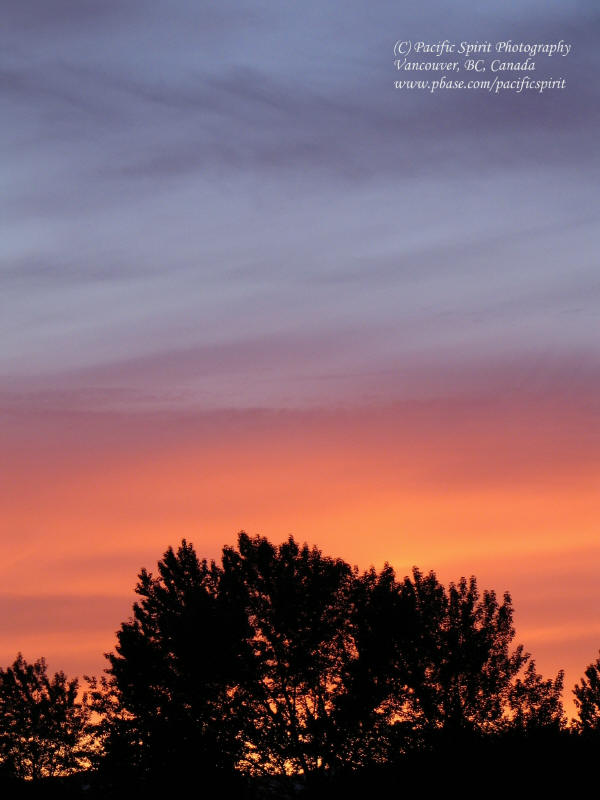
x=284, y=661
x=44, y=728
x=166, y=702
x=296, y=603
x=370, y=724
x=460, y=670
x=434, y=662
x=536, y=704
x=587, y=699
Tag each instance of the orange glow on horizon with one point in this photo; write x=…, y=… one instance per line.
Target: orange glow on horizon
x=505, y=496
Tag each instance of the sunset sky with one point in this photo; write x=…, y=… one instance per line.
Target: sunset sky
x=246, y=284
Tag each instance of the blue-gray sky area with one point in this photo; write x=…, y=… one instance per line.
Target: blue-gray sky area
x=228, y=204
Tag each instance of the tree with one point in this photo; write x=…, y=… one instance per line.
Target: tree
x=536, y=704
x=296, y=602
x=587, y=699
x=44, y=727
x=460, y=669
x=167, y=700
x=436, y=663
x=371, y=726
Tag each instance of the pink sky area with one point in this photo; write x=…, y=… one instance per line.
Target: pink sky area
x=490, y=482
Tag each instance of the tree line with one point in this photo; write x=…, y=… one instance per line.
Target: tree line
x=281, y=666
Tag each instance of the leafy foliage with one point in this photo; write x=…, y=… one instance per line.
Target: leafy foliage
x=587, y=699
x=44, y=728
x=282, y=660
x=290, y=667
x=536, y=704
x=166, y=703
x=461, y=668
x=295, y=600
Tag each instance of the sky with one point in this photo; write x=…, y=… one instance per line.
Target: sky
x=246, y=284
